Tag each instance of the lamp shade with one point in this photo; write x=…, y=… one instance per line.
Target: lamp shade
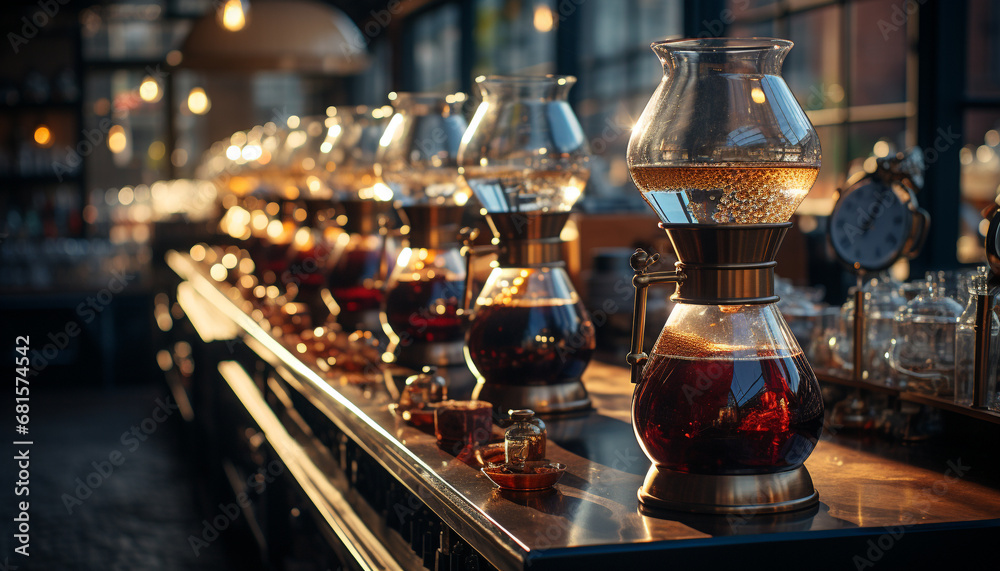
x=293, y=35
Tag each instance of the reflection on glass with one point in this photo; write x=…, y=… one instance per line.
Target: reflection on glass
x=924, y=350
x=530, y=328
x=524, y=150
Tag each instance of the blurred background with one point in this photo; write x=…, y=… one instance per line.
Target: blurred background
x=103, y=101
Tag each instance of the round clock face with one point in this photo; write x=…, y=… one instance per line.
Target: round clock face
x=869, y=227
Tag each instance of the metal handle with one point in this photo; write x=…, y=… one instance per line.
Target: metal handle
x=640, y=262
x=983, y=329
x=467, y=236
x=859, y=330
x=386, y=230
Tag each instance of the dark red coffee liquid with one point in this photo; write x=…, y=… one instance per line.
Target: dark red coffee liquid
x=307, y=267
x=531, y=345
x=271, y=258
x=726, y=416
x=426, y=311
x=347, y=280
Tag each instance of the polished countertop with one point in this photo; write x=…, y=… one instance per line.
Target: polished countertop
x=594, y=509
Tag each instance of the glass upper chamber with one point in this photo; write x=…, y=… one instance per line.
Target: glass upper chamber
x=417, y=152
x=524, y=150
x=723, y=140
x=349, y=159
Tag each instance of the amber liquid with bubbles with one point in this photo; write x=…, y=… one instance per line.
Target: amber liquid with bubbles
x=725, y=193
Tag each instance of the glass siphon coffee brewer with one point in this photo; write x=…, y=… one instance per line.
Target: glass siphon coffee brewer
x=725, y=405
x=359, y=267
x=423, y=314
x=526, y=159
x=309, y=255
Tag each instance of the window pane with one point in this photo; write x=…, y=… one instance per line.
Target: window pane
x=878, y=54
x=739, y=6
x=129, y=31
x=812, y=68
x=658, y=19
x=611, y=80
x=980, y=162
x=514, y=37
x=609, y=28
x=435, y=46
x=983, y=48
x=649, y=73
x=980, y=179
x=764, y=29
x=831, y=173
x=373, y=84
x=863, y=136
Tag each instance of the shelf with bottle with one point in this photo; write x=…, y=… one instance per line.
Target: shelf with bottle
x=843, y=379
x=918, y=344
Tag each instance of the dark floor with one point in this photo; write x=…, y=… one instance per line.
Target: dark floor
x=137, y=517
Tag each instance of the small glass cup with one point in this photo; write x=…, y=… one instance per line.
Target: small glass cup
x=460, y=425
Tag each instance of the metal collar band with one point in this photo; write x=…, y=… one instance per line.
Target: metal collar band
x=726, y=264
x=363, y=215
x=432, y=226
x=528, y=239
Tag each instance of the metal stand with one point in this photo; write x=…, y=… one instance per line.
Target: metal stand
x=550, y=399
x=640, y=262
x=743, y=494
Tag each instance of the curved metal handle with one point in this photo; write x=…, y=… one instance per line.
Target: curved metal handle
x=467, y=236
x=641, y=262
